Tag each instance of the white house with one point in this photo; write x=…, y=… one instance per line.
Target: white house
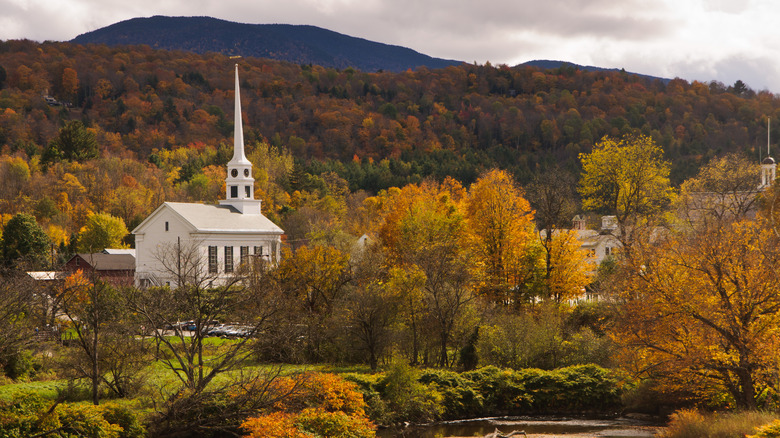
x=214, y=239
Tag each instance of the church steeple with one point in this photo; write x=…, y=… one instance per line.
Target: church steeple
x=239, y=184
x=768, y=166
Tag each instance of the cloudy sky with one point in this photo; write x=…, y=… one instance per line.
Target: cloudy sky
x=704, y=40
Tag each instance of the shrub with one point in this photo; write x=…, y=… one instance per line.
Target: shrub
x=687, y=423
x=29, y=415
x=407, y=399
x=334, y=424
x=460, y=398
x=771, y=430
x=501, y=390
x=125, y=418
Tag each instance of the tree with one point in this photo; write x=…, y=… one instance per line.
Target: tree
x=74, y=142
x=3, y=77
x=314, y=279
x=17, y=295
x=100, y=232
x=502, y=239
x=726, y=188
x=108, y=351
x=700, y=308
x=249, y=300
x=425, y=233
x=371, y=305
x=627, y=178
x=24, y=241
x=552, y=197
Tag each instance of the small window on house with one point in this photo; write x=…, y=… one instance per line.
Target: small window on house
x=258, y=250
x=248, y=191
x=608, y=251
x=166, y=225
x=234, y=191
x=244, y=254
x=213, y=260
x=228, y=259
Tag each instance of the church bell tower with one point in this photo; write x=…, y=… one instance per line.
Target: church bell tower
x=239, y=183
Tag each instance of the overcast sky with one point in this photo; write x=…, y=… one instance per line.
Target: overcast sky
x=703, y=40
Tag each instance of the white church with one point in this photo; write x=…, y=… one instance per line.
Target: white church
x=211, y=240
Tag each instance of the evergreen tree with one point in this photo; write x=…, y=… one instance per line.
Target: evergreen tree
x=24, y=240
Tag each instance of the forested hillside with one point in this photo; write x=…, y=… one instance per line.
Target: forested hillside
x=157, y=125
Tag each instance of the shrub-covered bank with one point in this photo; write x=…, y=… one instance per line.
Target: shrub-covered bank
x=404, y=394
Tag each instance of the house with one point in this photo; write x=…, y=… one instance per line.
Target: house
x=208, y=241
x=601, y=243
x=118, y=269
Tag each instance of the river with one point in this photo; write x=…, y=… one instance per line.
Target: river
x=536, y=427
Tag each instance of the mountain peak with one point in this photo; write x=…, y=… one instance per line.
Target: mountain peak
x=300, y=44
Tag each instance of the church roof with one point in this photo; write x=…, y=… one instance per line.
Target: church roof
x=211, y=218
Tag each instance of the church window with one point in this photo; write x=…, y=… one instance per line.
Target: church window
x=234, y=191
x=213, y=260
x=166, y=225
x=234, y=173
x=246, y=173
x=248, y=191
x=258, y=250
x=244, y=254
x=228, y=259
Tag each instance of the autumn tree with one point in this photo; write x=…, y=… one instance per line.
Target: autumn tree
x=500, y=227
x=700, y=308
x=424, y=231
x=627, y=178
x=314, y=279
x=24, y=241
x=726, y=188
x=100, y=232
x=553, y=199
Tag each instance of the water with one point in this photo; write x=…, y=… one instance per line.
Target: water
x=534, y=427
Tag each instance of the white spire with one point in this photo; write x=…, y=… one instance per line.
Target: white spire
x=238, y=133
x=239, y=183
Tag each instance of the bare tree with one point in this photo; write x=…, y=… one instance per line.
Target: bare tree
x=180, y=318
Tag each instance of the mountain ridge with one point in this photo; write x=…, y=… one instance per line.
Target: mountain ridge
x=300, y=44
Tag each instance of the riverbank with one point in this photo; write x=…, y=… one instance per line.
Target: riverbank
x=538, y=427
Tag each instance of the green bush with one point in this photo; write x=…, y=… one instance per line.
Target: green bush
x=125, y=418
x=501, y=390
x=30, y=414
x=407, y=399
x=460, y=398
x=21, y=366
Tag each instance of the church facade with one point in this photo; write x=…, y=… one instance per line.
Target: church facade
x=202, y=242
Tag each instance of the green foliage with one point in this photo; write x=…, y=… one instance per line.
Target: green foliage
x=407, y=399
x=24, y=240
x=74, y=142
x=29, y=415
x=100, y=232
x=21, y=365
x=547, y=340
